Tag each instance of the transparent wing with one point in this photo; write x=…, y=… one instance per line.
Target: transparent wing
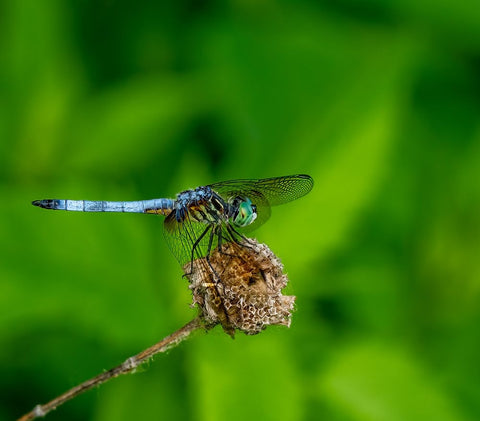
x=187, y=239
x=265, y=192
x=191, y=240
x=276, y=190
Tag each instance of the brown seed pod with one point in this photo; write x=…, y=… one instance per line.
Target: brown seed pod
x=241, y=288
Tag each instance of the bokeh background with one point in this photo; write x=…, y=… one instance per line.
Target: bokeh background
x=115, y=100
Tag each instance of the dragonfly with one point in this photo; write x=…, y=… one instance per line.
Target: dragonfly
x=202, y=219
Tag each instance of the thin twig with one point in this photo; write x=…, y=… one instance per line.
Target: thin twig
x=126, y=367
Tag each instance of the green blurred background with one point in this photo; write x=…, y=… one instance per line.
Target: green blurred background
x=114, y=100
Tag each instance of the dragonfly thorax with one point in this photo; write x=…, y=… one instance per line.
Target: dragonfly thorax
x=202, y=205
x=205, y=205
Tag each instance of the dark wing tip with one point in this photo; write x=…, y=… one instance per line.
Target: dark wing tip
x=37, y=203
x=308, y=184
x=305, y=177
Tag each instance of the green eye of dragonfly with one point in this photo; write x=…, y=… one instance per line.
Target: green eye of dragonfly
x=245, y=214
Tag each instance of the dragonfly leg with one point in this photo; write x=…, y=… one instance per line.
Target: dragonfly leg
x=220, y=237
x=217, y=231
x=219, y=241
x=241, y=240
x=207, y=257
x=195, y=245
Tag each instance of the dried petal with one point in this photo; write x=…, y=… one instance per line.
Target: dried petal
x=240, y=288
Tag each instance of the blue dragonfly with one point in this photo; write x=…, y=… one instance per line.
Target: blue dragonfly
x=200, y=220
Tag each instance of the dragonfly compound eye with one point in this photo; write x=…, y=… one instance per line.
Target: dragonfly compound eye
x=245, y=214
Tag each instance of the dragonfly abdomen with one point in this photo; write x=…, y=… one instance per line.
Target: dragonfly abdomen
x=156, y=206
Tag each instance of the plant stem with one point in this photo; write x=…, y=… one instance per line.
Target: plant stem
x=126, y=367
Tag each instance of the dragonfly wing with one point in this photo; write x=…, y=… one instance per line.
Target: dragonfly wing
x=191, y=240
x=276, y=190
x=265, y=192
x=186, y=239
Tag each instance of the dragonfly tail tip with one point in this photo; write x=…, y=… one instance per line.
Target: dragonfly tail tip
x=46, y=204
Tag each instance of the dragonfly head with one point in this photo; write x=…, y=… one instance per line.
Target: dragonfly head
x=244, y=212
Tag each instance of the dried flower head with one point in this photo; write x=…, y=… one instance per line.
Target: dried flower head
x=240, y=288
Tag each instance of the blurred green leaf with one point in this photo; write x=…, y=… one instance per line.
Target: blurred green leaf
x=129, y=123
x=254, y=375
x=373, y=382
